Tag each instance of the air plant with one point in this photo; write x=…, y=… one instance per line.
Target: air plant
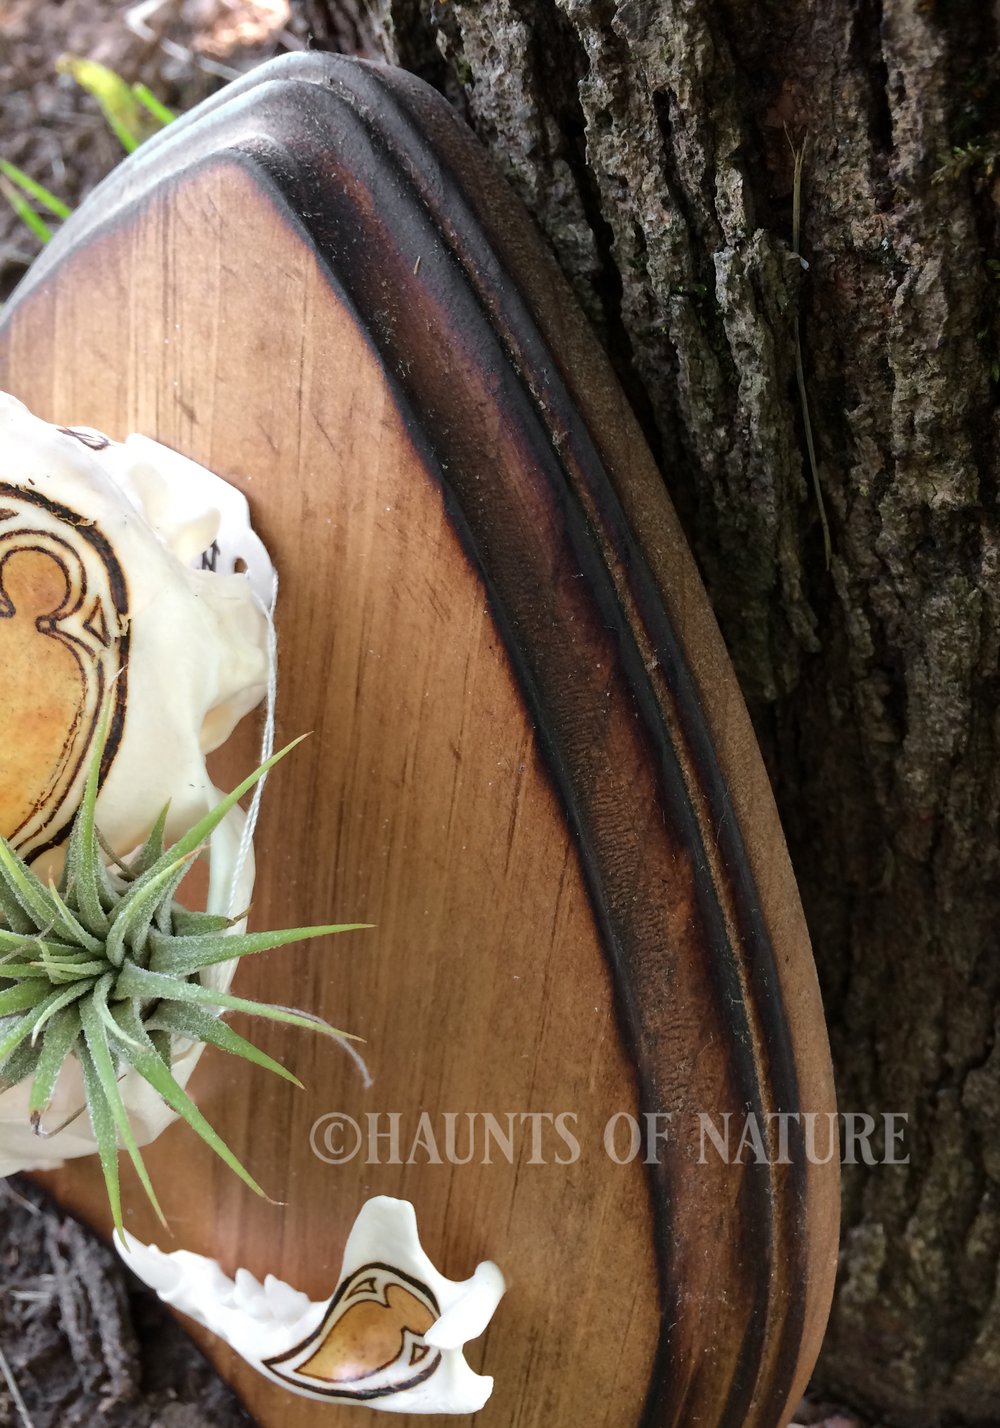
x=105, y=967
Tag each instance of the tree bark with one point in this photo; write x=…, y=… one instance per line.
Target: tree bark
x=652, y=140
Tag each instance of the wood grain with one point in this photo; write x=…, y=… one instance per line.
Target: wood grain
x=531, y=766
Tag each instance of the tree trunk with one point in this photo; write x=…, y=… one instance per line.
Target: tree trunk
x=654, y=144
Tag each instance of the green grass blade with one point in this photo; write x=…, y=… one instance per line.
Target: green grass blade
x=118, y=104
x=156, y=107
x=129, y=141
x=24, y=211
x=34, y=189
x=199, y=1024
x=182, y=955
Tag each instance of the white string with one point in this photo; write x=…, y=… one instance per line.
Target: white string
x=358, y=1060
x=253, y=812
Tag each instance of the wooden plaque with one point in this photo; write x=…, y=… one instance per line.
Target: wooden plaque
x=530, y=765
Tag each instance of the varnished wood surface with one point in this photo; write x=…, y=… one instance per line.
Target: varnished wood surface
x=531, y=766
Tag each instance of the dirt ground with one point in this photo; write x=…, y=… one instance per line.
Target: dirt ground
x=82, y=1343
x=54, y=130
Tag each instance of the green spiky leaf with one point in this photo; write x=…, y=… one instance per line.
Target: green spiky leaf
x=96, y=1035
x=56, y=1046
x=190, y=954
x=197, y=1024
x=104, y=968
x=103, y=1125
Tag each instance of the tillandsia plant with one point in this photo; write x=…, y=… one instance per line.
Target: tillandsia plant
x=105, y=967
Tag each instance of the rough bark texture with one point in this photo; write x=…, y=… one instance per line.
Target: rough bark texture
x=81, y=1343
x=649, y=139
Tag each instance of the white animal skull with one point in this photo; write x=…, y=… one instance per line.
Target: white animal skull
x=124, y=568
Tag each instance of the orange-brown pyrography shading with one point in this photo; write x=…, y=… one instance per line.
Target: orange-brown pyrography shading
x=44, y=684
x=369, y=1336
x=59, y=621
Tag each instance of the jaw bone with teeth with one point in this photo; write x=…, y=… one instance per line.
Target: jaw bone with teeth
x=129, y=576
x=391, y=1336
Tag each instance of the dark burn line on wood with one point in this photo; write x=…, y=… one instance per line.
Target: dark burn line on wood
x=367, y=293
x=346, y=214
x=282, y=121
x=443, y=184
x=583, y=468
